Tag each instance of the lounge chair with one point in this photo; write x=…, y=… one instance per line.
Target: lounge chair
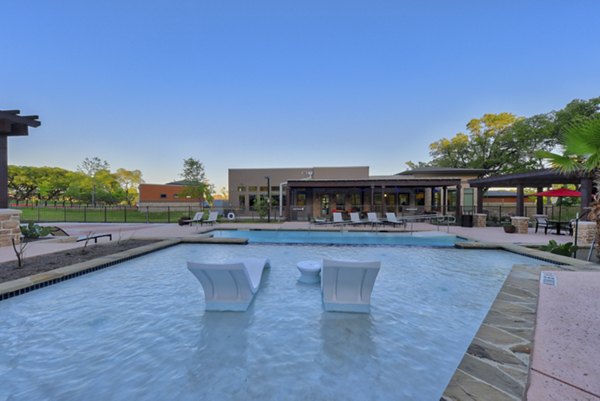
x=229, y=286
x=392, y=219
x=373, y=219
x=347, y=285
x=196, y=219
x=211, y=219
x=59, y=232
x=355, y=219
x=338, y=218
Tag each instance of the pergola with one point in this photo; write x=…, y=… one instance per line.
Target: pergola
x=539, y=179
x=11, y=124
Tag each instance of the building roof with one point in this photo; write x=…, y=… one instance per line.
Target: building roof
x=538, y=178
x=444, y=171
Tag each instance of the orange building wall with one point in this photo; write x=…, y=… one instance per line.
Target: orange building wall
x=152, y=192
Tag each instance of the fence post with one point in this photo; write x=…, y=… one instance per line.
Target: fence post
x=105, y=214
x=85, y=214
x=147, y=214
x=168, y=214
x=125, y=213
x=38, y=213
x=65, y=213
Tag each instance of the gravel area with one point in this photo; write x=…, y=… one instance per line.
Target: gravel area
x=39, y=264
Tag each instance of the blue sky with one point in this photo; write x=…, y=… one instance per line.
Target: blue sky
x=243, y=84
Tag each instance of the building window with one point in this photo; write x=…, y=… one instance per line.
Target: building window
x=420, y=197
x=340, y=201
x=300, y=199
x=264, y=189
x=252, y=189
x=252, y=202
x=274, y=189
x=163, y=196
x=242, y=202
x=241, y=189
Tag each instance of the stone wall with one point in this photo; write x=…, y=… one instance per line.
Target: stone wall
x=10, y=221
x=479, y=220
x=586, y=230
x=521, y=223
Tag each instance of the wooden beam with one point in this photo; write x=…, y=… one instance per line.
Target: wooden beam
x=19, y=130
x=9, y=115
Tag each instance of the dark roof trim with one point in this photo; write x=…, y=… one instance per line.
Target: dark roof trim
x=539, y=178
x=444, y=170
x=352, y=183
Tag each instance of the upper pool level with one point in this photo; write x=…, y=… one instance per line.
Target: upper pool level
x=430, y=238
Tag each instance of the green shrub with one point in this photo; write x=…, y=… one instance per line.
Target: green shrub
x=566, y=249
x=33, y=231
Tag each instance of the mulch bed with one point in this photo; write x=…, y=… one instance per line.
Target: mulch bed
x=43, y=263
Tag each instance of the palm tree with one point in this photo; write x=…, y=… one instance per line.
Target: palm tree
x=582, y=154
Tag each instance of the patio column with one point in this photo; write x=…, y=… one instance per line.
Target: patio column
x=586, y=194
x=372, y=198
x=4, y=171
x=480, y=199
x=458, y=201
x=443, y=200
x=520, y=201
x=539, y=202
x=383, y=206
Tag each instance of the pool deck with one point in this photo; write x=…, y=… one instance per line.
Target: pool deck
x=538, y=342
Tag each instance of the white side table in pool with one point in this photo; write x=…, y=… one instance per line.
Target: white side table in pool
x=309, y=271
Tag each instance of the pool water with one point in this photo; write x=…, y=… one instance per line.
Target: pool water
x=138, y=330
x=429, y=238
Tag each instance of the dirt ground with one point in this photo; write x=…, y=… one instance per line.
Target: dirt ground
x=39, y=264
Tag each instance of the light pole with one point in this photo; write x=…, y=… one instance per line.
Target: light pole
x=268, y=198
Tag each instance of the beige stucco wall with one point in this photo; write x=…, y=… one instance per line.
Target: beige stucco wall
x=256, y=177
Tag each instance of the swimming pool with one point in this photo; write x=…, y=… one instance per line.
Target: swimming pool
x=138, y=330
x=342, y=237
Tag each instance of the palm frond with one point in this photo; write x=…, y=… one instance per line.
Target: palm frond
x=583, y=139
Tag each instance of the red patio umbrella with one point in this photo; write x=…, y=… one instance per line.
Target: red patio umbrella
x=559, y=193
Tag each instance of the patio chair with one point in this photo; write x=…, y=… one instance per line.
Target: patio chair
x=346, y=286
x=542, y=221
x=59, y=232
x=229, y=286
x=392, y=219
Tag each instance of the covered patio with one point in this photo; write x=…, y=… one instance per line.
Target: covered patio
x=539, y=180
x=308, y=199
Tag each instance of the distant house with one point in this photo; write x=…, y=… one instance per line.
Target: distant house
x=503, y=197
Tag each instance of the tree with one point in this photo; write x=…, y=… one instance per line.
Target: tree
x=196, y=185
x=581, y=153
x=129, y=181
x=92, y=166
x=483, y=148
x=22, y=182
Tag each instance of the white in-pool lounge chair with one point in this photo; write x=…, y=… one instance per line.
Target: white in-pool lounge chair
x=355, y=219
x=392, y=219
x=347, y=285
x=229, y=286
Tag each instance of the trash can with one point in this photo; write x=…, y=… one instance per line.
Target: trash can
x=466, y=220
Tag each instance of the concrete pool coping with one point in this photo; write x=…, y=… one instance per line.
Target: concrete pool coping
x=496, y=364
